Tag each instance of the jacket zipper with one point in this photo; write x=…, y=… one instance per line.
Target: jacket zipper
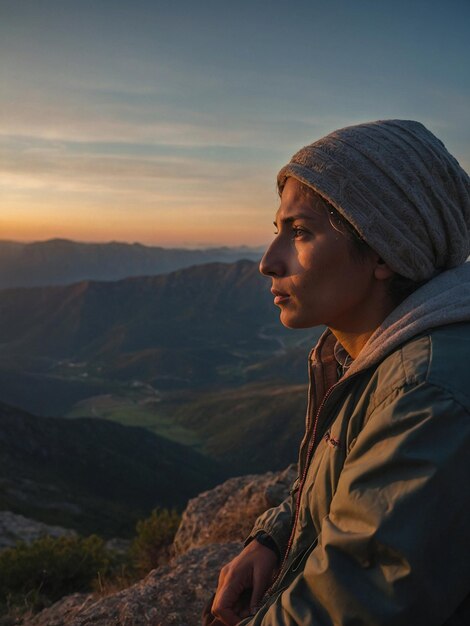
x=301, y=486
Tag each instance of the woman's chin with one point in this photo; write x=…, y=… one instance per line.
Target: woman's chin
x=294, y=322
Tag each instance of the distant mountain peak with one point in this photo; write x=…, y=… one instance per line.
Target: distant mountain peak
x=60, y=261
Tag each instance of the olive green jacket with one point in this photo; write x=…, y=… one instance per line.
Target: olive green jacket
x=377, y=529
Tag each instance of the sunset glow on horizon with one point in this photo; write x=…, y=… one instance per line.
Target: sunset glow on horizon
x=166, y=125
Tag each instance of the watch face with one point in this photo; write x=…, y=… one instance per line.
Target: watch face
x=265, y=540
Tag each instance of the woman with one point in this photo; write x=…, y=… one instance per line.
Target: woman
x=371, y=240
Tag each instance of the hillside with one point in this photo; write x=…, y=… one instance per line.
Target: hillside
x=60, y=261
x=91, y=474
x=202, y=327
x=211, y=307
x=197, y=356
x=254, y=428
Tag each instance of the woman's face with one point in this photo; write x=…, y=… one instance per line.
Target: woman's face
x=315, y=277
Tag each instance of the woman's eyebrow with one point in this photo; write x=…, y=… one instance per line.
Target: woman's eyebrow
x=294, y=218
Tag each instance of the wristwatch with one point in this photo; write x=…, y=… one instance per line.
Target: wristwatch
x=266, y=540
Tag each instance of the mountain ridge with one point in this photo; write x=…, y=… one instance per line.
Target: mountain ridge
x=214, y=287
x=63, y=261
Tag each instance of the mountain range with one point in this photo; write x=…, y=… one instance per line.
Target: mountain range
x=210, y=307
x=195, y=328
x=195, y=359
x=61, y=261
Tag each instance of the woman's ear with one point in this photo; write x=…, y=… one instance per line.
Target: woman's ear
x=382, y=270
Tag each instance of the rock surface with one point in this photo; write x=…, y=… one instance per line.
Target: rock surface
x=171, y=595
x=228, y=511
x=212, y=529
x=15, y=528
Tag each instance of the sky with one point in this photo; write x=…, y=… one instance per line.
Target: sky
x=166, y=122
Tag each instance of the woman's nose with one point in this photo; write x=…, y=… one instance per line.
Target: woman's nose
x=272, y=263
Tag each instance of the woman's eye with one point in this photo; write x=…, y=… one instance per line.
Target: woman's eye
x=298, y=231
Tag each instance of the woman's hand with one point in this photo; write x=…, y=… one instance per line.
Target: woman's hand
x=243, y=582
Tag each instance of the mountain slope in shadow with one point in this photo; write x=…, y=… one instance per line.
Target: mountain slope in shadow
x=91, y=474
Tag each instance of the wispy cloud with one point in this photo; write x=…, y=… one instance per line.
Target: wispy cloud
x=135, y=116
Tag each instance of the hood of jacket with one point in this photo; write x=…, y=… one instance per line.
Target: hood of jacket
x=443, y=300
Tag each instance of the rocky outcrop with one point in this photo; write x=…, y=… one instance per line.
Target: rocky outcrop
x=211, y=533
x=228, y=511
x=171, y=595
x=15, y=528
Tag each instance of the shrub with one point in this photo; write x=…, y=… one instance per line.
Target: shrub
x=40, y=573
x=155, y=534
x=35, y=575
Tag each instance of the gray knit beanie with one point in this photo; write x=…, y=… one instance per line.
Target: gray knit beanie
x=395, y=182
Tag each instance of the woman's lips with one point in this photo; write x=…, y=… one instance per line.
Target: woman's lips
x=279, y=297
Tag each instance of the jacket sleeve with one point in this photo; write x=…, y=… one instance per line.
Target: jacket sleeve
x=394, y=547
x=277, y=521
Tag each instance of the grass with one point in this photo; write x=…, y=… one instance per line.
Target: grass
x=216, y=423
x=131, y=408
